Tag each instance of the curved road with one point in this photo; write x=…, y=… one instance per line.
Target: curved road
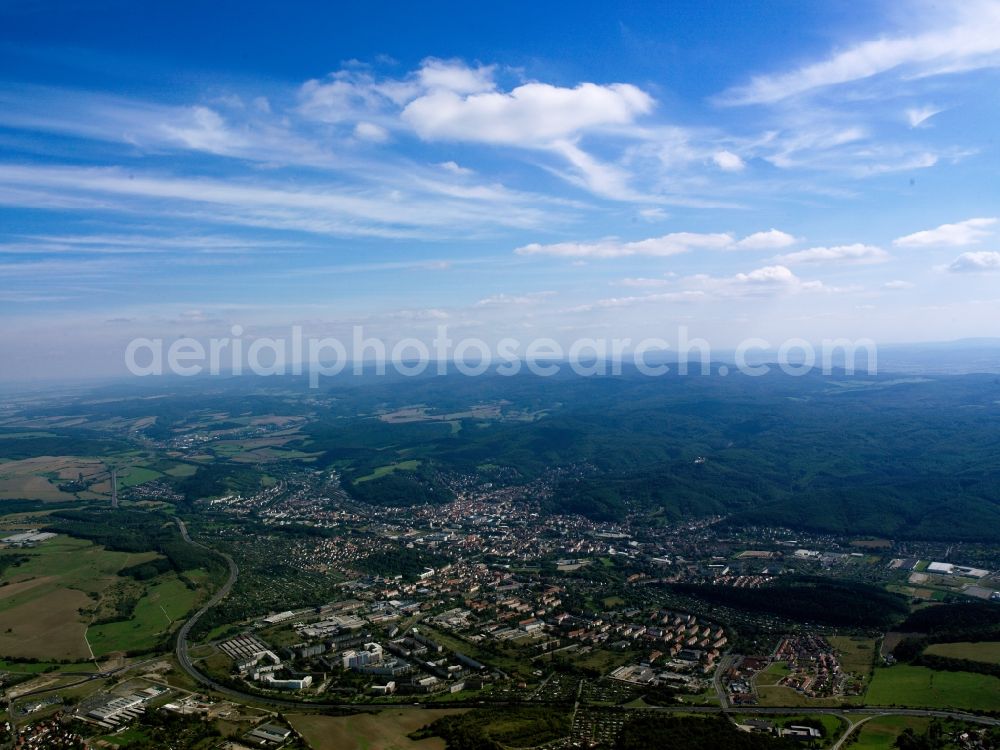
x=187, y=665
x=181, y=650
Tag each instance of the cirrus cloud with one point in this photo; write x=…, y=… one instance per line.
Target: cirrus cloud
x=972, y=41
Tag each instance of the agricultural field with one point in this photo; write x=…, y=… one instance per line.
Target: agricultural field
x=905, y=685
x=39, y=478
x=43, y=602
x=386, y=730
x=987, y=652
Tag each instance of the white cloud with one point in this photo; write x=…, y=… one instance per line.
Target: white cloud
x=977, y=262
x=727, y=161
x=773, y=239
x=972, y=41
x=857, y=254
x=669, y=244
x=966, y=232
x=451, y=101
x=897, y=286
x=369, y=131
x=761, y=282
x=456, y=76
x=204, y=130
x=455, y=168
x=917, y=116
x=530, y=114
x=767, y=275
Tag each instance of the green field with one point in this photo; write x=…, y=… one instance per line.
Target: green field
x=39, y=667
x=987, y=651
x=182, y=470
x=137, y=475
x=880, y=733
x=905, y=685
x=162, y=605
x=857, y=655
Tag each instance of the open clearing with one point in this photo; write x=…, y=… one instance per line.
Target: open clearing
x=987, y=651
x=382, y=471
x=919, y=687
x=386, y=730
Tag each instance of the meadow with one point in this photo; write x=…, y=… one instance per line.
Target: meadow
x=988, y=652
x=905, y=685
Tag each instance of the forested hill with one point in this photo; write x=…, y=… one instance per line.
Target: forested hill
x=902, y=456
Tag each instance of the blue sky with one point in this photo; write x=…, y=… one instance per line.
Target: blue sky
x=774, y=169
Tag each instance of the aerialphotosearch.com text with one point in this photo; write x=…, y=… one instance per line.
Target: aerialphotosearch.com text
x=320, y=357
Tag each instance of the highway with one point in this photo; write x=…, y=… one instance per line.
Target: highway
x=181, y=649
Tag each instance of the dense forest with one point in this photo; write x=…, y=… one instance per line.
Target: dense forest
x=803, y=599
x=134, y=531
x=949, y=623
